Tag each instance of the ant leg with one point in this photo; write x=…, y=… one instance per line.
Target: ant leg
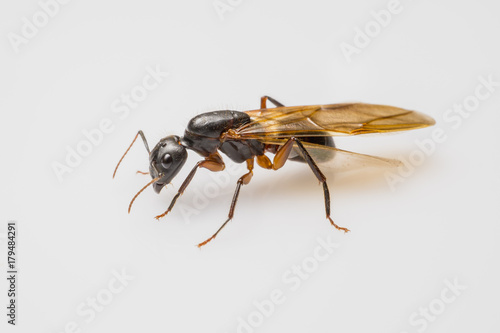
x=280, y=159
x=245, y=179
x=264, y=99
x=264, y=162
x=213, y=163
x=142, y=172
x=317, y=172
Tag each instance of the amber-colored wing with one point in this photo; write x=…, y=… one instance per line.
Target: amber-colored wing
x=329, y=120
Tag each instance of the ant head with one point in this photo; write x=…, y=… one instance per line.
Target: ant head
x=166, y=160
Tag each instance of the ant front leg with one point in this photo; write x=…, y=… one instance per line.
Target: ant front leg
x=213, y=163
x=244, y=180
x=264, y=99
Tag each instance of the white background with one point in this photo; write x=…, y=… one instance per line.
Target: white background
x=439, y=223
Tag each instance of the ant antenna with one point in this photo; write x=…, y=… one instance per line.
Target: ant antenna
x=140, y=191
x=145, y=144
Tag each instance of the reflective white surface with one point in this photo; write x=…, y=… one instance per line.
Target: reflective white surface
x=414, y=245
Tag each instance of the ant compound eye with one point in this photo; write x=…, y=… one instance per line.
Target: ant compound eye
x=166, y=161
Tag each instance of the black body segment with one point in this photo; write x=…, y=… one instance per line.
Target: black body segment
x=203, y=135
x=212, y=124
x=166, y=160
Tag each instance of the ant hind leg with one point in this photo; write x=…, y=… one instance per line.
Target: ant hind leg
x=264, y=99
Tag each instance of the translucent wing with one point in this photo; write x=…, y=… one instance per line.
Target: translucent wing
x=329, y=120
x=343, y=160
x=338, y=159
